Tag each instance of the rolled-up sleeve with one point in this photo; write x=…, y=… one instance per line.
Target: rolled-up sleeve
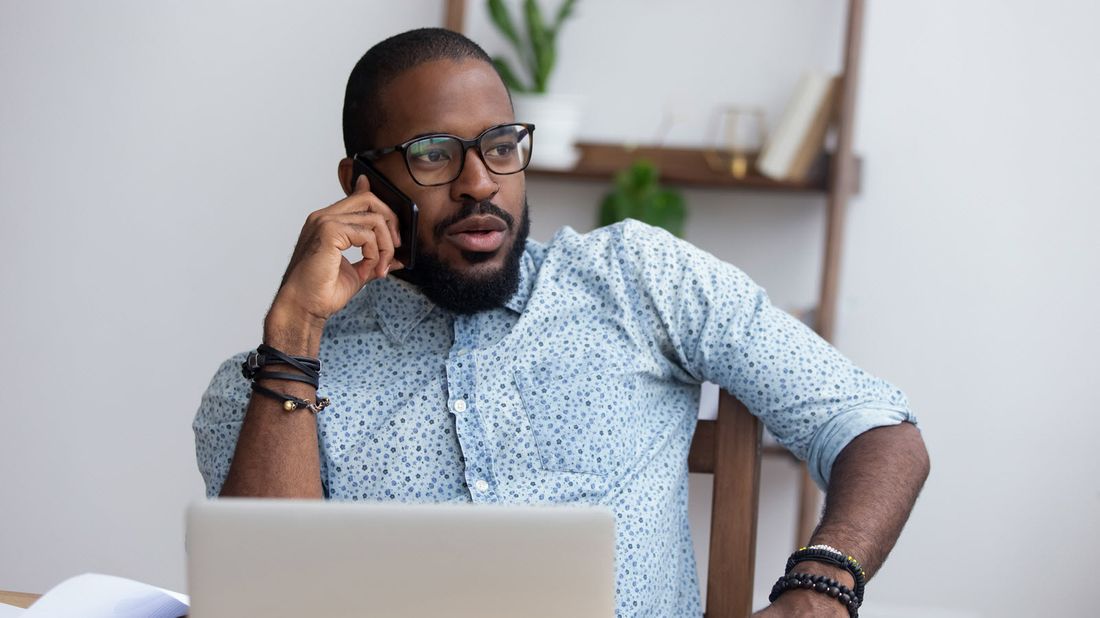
x=719, y=326
x=218, y=422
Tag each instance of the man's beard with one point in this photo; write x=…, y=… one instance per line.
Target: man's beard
x=466, y=294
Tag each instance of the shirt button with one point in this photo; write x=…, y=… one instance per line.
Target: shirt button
x=460, y=405
x=481, y=485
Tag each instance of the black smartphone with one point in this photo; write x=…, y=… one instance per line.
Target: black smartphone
x=401, y=205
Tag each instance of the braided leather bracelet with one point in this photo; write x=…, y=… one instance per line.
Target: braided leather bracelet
x=310, y=368
x=817, y=583
x=266, y=355
x=827, y=554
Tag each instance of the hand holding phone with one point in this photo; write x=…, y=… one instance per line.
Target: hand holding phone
x=402, y=205
x=320, y=280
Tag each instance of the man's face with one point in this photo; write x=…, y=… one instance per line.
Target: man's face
x=462, y=98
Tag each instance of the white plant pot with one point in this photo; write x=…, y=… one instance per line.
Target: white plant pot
x=557, y=118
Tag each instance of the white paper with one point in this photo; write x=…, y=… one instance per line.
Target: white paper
x=104, y=596
x=11, y=611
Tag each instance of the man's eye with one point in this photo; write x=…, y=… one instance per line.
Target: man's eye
x=433, y=155
x=501, y=150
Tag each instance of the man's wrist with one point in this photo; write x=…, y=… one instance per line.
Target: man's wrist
x=801, y=602
x=828, y=570
x=296, y=335
x=810, y=603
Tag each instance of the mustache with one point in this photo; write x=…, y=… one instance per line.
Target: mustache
x=470, y=209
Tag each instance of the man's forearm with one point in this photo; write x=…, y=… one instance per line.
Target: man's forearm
x=873, y=486
x=277, y=454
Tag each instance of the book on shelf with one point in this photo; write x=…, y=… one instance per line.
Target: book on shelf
x=799, y=136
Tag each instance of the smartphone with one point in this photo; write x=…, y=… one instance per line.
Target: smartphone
x=401, y=205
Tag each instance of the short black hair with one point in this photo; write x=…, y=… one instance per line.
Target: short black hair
x=382, y=64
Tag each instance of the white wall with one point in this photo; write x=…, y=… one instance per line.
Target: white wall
x=971, y=278
x=157, y=160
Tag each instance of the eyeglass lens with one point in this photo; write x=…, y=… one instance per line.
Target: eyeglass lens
x=437, y=160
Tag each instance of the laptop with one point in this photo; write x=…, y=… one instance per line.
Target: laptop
x=294, y=558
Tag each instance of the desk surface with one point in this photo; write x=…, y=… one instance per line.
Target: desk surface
x=18, y=599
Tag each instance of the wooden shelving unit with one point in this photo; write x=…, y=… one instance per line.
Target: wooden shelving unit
x=684, y=167
x=837, y=179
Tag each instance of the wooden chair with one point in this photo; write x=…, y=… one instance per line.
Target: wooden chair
x=729, y=448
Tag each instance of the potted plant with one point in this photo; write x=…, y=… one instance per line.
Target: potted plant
x=638, y=195
x=555, y=116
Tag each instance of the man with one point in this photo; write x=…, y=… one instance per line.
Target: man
x=503, y=370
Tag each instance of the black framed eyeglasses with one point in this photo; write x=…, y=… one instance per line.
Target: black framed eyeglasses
x=438, y=159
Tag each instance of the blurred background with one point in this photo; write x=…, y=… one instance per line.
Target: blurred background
x=157, y=160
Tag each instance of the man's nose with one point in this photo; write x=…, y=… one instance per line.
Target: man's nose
x=476, y=182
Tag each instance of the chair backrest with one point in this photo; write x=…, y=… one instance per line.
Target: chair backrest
x=729, y=448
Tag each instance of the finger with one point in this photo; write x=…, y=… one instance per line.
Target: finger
x=362, y=185
x=379, y=207
x=367, y=268
x=363, y=203
x=377, y=226
x=365, y=271
x=384, y=244
x=371, y=234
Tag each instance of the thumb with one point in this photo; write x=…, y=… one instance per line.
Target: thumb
x=362, y=185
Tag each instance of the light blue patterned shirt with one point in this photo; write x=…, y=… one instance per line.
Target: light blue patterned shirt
x=584, y=388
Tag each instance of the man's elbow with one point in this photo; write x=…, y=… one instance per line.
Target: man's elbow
x=909, y=444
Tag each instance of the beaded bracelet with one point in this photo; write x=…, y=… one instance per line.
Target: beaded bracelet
x=817, y=583
x=827, y=554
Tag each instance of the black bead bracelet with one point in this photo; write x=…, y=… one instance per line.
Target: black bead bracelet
x=820, y=584
x=826, y=554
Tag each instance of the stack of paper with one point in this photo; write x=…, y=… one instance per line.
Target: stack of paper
x=103, y=596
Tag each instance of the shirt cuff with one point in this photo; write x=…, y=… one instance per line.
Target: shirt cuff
x=842, y=429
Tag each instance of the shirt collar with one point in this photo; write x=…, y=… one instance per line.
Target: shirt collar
x=400, y=306
x=518, y=301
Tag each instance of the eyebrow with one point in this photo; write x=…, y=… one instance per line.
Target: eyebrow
x=431, y=133
x=427, y=134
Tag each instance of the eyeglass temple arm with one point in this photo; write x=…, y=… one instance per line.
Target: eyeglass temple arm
x=373, y=155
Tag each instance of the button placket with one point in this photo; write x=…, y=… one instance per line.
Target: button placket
x=461, y=382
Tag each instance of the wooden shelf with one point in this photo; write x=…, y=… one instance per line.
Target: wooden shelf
x=679, y=166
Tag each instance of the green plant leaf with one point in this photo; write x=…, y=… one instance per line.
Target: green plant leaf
x=546, y=67
x=502, y=18
x=643, y=175
x=668, y=212
x=564, y=12
x=542, y=45
x=613, y=209
x=637, y=195
x=508, y=76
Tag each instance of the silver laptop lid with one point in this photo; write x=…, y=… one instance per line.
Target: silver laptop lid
x=277, y=558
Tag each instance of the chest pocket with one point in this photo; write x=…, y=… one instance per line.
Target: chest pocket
x=580, y=415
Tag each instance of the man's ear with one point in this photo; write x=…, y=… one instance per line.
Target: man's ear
x=344, y=171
